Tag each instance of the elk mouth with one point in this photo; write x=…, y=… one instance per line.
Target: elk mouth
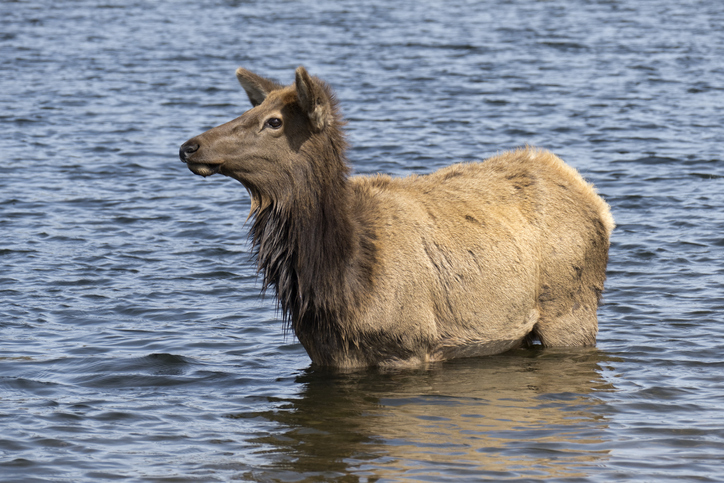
x=203, y=169
x=188, y=150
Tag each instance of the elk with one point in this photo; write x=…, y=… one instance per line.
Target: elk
x=471, y=260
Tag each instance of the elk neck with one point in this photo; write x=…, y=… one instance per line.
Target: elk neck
x=311, y=245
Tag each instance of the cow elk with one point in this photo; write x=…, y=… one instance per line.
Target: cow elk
x=471, y=260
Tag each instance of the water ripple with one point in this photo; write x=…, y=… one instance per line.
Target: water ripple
x=136, y=344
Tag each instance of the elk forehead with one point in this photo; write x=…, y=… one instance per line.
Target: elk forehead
x=277, y=100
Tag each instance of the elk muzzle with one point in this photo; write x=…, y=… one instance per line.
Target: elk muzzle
x=187, y=149
x=186, y=153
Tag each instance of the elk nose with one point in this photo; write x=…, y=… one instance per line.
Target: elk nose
x=187, y=149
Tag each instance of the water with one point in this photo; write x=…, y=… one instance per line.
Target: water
x=135, y=345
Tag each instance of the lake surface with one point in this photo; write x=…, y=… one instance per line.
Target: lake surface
x=135, y=343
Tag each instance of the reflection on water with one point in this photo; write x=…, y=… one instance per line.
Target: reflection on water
x=527, y=413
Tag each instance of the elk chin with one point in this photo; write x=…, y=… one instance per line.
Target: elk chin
x=203, y=169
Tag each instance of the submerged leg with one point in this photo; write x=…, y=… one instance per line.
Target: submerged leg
x=570, y=321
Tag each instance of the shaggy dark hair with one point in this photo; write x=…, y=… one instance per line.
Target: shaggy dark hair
x=305, y=241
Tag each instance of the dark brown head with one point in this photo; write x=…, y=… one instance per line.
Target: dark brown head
x=274, y=149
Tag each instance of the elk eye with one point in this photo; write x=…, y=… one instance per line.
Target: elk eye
x=273, y=122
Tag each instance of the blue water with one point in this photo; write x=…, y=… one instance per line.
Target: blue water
x=135, y=343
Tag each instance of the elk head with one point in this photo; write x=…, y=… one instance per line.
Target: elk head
x=274, y=148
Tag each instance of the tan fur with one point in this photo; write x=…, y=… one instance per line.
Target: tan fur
x=471, y=255
x=471, y=260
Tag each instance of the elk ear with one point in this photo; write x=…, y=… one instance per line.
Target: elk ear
x=313, y=99
x=256, y=86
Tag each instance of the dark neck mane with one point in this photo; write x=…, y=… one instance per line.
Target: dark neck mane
x=312, y=248
x=301, y=252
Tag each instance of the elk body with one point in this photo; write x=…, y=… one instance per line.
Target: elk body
x=474, y=259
